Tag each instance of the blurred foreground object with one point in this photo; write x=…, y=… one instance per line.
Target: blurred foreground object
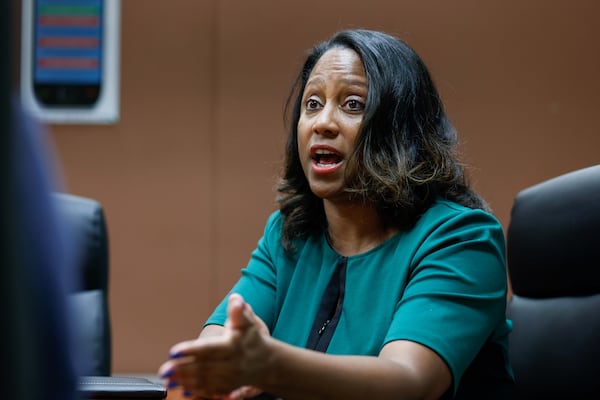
x=36, y=341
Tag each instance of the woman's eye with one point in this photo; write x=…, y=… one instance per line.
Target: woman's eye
x=312, y=104
x=355, y=105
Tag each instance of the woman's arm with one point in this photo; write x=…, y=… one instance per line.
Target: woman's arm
x=211, y=330
x=242, y=355
x=404, y=370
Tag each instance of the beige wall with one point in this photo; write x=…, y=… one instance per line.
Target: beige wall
x=187, y=174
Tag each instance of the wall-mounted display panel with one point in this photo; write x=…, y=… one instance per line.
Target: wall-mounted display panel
x=70, y=60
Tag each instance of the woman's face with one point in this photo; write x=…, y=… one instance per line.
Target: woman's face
x=333, y=105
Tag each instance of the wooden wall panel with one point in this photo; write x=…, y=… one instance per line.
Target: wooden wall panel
x=152, y=171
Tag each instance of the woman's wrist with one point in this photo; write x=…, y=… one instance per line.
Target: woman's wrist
x=266, y=370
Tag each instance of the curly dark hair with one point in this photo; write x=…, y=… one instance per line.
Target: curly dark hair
x=405, y=154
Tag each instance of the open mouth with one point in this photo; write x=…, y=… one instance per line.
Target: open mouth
x=326, y=158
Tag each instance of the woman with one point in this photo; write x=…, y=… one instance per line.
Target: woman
x=382, y=275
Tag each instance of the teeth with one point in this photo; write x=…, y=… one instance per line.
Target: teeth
x=322, y=152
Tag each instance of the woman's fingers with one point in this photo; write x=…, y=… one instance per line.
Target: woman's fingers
x=210, y=366
x=237, y=313
x=206, y=379
x=189, y=361
x=259, y=323
x=243, y=392
x=241, y=315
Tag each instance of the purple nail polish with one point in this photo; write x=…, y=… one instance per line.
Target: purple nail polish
x=167, y=374
x=176, y=355
x=172, y=384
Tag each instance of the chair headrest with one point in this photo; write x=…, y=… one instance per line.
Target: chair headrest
x=553, y=239
x=86, y=227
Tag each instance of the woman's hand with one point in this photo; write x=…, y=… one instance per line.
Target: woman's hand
x=221, y=366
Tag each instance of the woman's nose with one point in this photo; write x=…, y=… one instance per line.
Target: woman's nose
x=326, y=122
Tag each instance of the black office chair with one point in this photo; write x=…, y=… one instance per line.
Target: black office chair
x=86, y=229
x=553, y=249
